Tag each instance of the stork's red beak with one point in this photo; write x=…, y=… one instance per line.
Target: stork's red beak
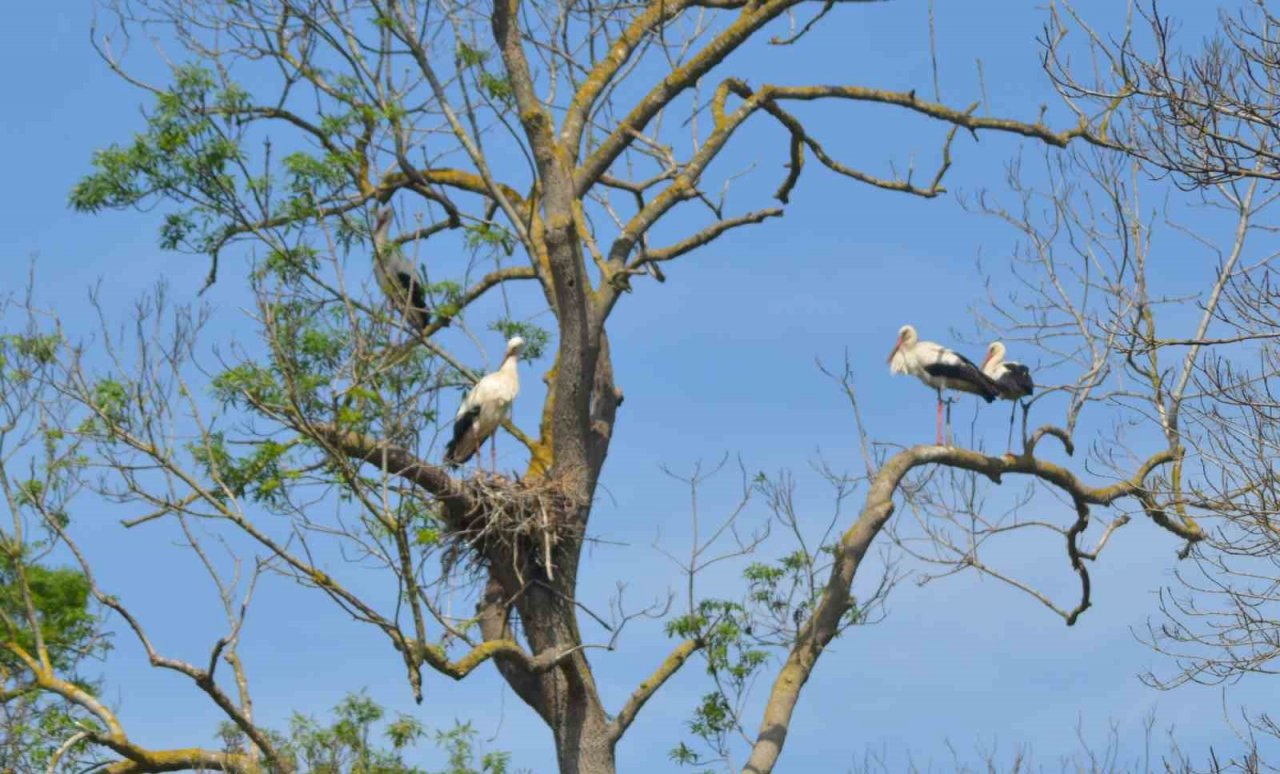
x=986, y=359
x=897, y=345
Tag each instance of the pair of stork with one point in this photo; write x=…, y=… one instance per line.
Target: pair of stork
x=946, y=369
x=487, y=403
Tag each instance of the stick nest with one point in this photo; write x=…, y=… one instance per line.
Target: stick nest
x=516, y=520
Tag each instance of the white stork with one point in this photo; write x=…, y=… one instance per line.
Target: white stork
x=1013, y=380
x=397, y=277
x=484, y=408
x=939, y=368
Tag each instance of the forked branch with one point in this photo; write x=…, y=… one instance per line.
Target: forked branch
x=824, y=624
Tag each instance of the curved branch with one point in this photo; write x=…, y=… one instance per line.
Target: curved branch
x=397, y=461
x=669, y=666
x=684, y=184
x=450, y=178
x=962, y=118
x=704, y=237
x=142, y=761
x=435, y=657
x=486, y=283
x=878, y=507
x=137, y=759
x=1056, y=432
x=800, y=138
x=65, y=748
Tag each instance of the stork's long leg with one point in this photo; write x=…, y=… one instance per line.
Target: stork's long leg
x=493, y=452
x=939, y=441
x=1026, y=408
x=1012, y=410
x=951, y=434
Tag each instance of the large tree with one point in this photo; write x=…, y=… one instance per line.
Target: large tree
x=535, y=145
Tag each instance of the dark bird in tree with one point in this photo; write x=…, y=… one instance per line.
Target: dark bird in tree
x=939, y=368
x=1013, y=380
x=397, y=277
x=485, y=407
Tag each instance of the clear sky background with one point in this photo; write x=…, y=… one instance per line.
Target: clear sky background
x=719, y=360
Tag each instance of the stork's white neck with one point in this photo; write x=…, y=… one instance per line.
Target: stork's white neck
x=508, y=366
x=994, y=364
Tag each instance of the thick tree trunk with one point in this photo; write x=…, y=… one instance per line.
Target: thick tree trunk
x=565, y=696
x=583, y=745
x=570, y=702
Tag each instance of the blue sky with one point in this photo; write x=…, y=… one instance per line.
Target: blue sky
x=718, y=360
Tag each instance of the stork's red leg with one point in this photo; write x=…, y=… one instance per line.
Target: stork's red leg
x=939, y=442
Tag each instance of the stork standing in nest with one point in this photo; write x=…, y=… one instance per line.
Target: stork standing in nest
x=397, y=277
x=1013, y=380
x=939, y=368
x=483, y=410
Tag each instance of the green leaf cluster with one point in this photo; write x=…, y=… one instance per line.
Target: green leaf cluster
x=261, y=475
x=288, y=265
x=33, y=724
x=489, y=235
x=111, y=399
x=732, y=659
x=60, y=599
x=184, y=154
x=43, y=349
x=535, y=338
x=361, y=739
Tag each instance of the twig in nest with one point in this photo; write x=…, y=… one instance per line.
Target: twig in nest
x=515, y=518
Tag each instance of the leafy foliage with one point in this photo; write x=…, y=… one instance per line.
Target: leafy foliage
x=60, y=599
x=33, y=724
x=40, y=348
x=361, y=739
x=289, y=264
x=737, y=637
x=185, y=154
x=489, y=235
x=459, y=743
x=111, y=398
x=260, y=474
x=535, y=337
x=732, y=659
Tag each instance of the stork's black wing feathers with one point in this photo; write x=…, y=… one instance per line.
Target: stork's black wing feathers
x=417, y=312
x=1016, y=381
x=460, y=427
x=962, y=374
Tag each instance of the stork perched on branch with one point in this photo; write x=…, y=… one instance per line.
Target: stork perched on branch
x=484, y=408
x=397, y=277
x=939, y=368
x=1013, y=380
